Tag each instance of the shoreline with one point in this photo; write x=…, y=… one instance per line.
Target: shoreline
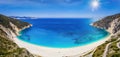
x=58, y=52
x=66, y=47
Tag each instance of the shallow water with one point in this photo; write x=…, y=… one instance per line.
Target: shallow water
x=61, y=32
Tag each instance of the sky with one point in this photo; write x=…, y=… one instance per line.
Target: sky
x=60, y=8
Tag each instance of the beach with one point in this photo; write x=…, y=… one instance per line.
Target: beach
x=58, y=52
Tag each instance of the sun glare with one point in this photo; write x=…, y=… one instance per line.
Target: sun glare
x=95, y=4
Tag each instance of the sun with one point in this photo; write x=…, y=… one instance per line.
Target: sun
x=95, y=4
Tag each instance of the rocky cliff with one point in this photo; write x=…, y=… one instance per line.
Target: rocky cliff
x=110, y=23
x=9, y=28
x=110, y=48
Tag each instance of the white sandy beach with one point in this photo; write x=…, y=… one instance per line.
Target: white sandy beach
x=58, y=52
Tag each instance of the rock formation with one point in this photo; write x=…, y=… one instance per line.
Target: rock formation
x=110, y=23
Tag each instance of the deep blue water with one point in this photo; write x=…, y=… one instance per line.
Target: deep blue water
x=61, y=32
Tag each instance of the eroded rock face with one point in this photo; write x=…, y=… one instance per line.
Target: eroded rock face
x=116, y=27
x=9, y=28
x=110, y=23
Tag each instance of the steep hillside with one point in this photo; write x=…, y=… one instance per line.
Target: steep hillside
x=111, y=48
x=9, y=29
x=110, y=23
x=10, y=25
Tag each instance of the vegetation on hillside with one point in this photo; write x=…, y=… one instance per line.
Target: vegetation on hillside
x=9, y=49
x=113, y=50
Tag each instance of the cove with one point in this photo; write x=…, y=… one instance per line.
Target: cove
x=61, y=32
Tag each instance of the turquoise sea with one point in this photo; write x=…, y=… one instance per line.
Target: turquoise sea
x=61, y=32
